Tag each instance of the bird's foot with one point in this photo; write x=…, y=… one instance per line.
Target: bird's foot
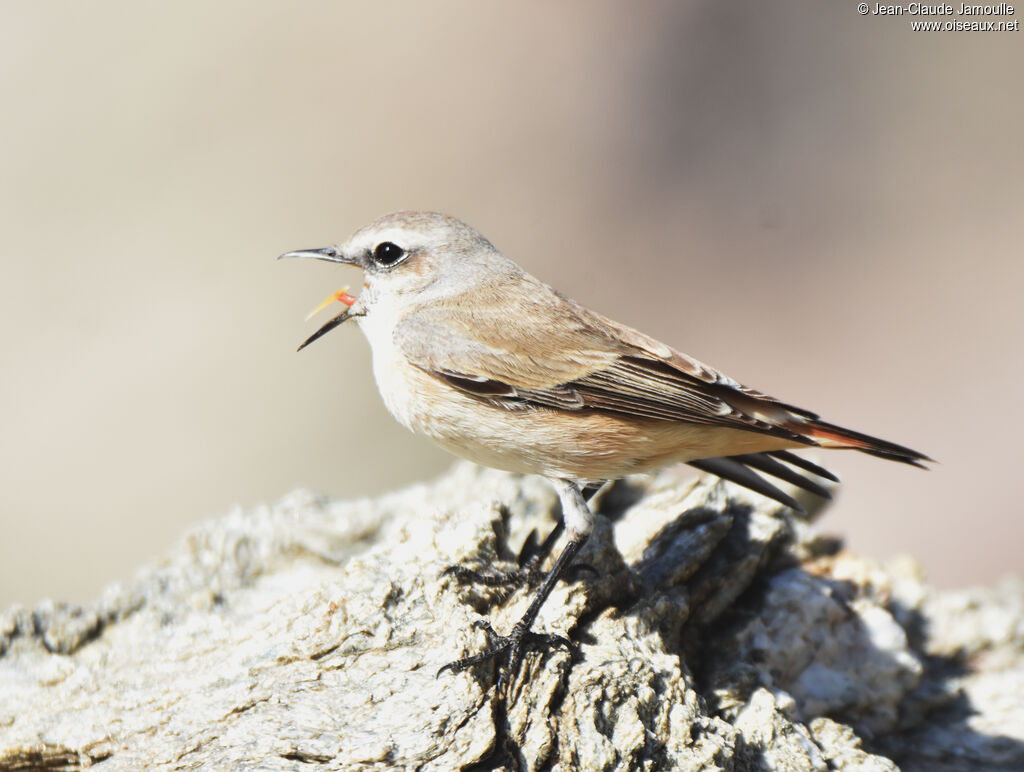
x=528, y=573
x=512, y=648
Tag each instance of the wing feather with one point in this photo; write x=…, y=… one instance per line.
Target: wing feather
x=581, y=361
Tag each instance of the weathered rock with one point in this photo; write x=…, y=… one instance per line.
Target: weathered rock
x=715, y=632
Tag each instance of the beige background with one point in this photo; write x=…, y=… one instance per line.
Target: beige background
x=826, y=206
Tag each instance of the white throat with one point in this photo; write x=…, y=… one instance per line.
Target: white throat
x=378, y=325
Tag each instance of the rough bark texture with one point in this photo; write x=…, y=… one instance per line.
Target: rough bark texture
x=716, y=631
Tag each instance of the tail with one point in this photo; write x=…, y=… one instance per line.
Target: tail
x=831, y=436
x=805, y=427
x=740, y=469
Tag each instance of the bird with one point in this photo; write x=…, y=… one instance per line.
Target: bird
x=492, y=364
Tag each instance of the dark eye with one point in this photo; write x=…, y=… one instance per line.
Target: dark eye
x=388, y=254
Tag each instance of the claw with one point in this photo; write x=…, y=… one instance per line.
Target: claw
x=514, y=645
x=461, y=664
x=455, y=667
x=529, y=548
x=483, y=624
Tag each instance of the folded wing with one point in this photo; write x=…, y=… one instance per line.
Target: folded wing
x=582, y=361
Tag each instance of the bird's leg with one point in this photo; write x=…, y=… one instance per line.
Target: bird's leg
x=531, y=556
x=579, y=522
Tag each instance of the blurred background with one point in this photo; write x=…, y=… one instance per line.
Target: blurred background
x=826, y=206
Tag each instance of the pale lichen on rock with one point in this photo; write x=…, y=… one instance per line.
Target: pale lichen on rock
x=716, y=631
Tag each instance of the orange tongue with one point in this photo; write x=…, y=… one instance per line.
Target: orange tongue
x=341, y=296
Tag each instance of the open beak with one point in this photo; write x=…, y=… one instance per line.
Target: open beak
x=341, y=318
x=332, y=255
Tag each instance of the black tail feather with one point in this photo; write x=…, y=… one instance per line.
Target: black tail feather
x=740, y=470
x=874, y=446
x=765, y=463
x=801, y=462
x=734, y=471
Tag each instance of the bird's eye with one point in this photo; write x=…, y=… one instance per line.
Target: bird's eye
x=387, y=253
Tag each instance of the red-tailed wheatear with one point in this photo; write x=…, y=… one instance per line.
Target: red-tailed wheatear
x=497, y=367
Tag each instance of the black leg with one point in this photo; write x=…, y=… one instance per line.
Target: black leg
x=514, y=644
x=532, y=555
x=578, y=519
